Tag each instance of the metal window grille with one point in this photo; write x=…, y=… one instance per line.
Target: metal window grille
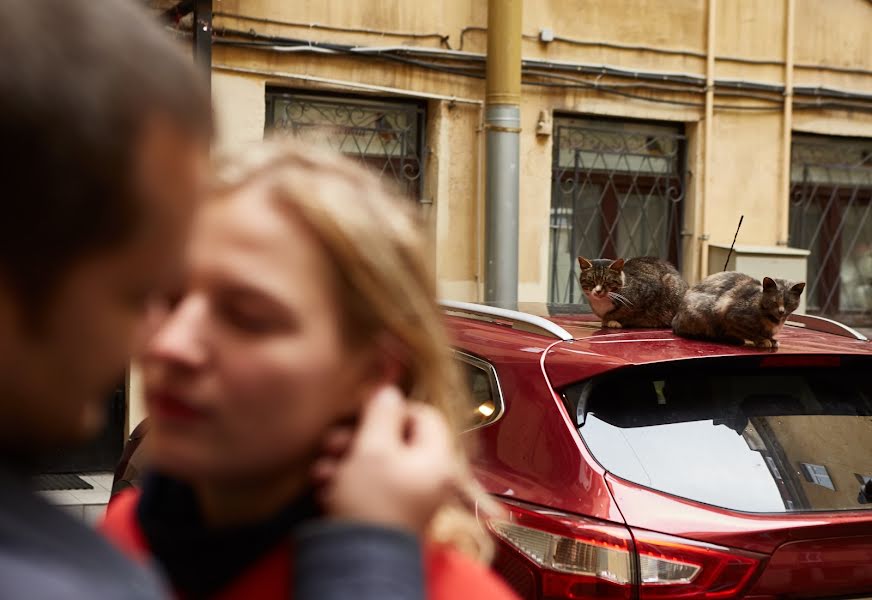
x=831, y=216
x=385, y=136
x=617, y=191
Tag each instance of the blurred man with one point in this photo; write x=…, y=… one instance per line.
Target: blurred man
x=104, y=135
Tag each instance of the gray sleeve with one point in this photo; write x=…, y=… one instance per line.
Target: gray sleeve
x=39, y=578
x=336, y=560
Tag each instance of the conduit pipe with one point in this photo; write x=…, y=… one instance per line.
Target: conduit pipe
x=502, y=129
x=700, y=216
x=783, y=210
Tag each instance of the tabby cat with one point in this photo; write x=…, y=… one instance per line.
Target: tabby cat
x=641, y=292
x=736, y=308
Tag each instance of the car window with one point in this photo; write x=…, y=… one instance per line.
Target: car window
x=750, y=439
x=486, y=403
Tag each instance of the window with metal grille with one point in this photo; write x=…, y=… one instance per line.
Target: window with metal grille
x=386, y=136
x=830, y=205
x=616, y=191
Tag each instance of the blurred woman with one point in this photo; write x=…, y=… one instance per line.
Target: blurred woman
x=299, y=386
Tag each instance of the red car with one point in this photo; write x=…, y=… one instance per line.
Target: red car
x=634, y=464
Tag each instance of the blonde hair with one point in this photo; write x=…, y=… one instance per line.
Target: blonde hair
x=386, y=287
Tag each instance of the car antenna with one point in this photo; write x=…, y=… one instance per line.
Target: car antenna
x=733, y=245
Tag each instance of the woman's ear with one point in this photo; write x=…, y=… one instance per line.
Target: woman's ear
x=390, y=363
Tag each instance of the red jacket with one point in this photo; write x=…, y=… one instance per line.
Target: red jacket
x=448, y=572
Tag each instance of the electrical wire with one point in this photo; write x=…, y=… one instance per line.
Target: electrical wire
x=617, y=92
x=573, y=68
x=443, y=39
x=556, y=80
x=466, y=30
x=634, y=85
x=678, y=52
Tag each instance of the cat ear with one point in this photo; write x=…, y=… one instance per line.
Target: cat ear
x=584, y=263
x=617, y=265
x=769, y=284
x=797, y=289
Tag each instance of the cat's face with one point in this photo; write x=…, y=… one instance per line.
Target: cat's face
x=780, y=298
x=601, y=276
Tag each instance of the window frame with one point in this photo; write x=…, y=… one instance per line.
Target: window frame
x=411, y=188
x=616, y=186
x=833, y=199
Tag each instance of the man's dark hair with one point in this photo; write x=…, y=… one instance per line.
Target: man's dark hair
x=79, y=79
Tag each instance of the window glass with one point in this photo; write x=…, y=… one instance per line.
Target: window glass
x=756, y=440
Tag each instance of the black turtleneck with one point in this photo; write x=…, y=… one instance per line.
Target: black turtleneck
x=333, y=559
x=199, y=560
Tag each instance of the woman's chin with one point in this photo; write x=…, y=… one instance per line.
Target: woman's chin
x=180, y=458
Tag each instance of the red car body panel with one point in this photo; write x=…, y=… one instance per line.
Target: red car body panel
x=534, y=454
x=515, y=458
x=647, y=508
x=817, y=568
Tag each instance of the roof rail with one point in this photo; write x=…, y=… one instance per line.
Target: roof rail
x=518, y=320
x=814, y=323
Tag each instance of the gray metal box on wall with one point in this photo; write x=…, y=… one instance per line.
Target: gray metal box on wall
x=762, y=261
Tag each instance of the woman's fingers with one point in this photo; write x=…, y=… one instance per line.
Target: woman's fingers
x=427, y=428
x=382, y=420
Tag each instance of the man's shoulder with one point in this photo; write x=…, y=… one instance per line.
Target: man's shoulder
x=46, y=578
x=43, y=550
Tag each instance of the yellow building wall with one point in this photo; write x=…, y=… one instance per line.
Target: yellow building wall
x=746, y=161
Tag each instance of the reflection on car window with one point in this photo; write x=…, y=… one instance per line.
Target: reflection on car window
x=774, y=440
x=817, y=474
x=486, y=402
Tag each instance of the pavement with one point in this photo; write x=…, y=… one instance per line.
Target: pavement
x=88, y=505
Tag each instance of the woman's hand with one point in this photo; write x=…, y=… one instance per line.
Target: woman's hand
x=395, y=470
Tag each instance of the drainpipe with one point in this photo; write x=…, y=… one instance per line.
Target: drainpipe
x=702, y=223
x=503, y=127
x=787, y=126
x=203, y=37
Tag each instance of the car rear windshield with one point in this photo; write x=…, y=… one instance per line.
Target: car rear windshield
x=736, y=434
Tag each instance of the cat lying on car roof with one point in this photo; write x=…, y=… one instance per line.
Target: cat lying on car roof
x=725, y=307
x=639, y=292
x=736, y=308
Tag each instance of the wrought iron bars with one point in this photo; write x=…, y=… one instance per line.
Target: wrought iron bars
x=831, y=216
x=617, y=191
x=385, y=136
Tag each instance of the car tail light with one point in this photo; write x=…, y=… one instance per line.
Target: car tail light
x=575, y=557
x=707, y=571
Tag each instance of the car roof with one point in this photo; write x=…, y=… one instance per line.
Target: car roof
x=584, y=335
